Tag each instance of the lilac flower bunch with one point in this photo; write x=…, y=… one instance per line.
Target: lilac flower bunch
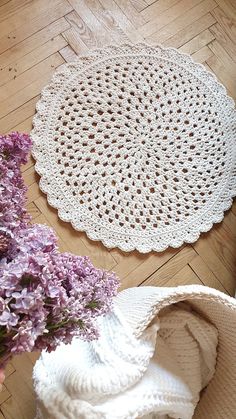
x=14, y=149
x=46, y=297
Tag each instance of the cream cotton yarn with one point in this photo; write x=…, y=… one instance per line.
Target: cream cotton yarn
x=157, y=350
x=135, y=146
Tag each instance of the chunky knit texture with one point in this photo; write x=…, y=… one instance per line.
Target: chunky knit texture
x=152, y=356
x=135, y=146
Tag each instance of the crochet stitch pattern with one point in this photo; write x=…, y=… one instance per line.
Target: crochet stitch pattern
x=135, y=145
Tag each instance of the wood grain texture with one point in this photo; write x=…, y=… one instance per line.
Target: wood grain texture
x=179, y=23
x=36, y=36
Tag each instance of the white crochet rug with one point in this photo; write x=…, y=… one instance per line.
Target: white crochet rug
x=136, y=146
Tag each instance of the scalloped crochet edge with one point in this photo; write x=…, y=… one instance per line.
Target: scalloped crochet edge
x=97, y=233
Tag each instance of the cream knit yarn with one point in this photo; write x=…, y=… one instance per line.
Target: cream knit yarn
x=151, y=357
x=135, y=145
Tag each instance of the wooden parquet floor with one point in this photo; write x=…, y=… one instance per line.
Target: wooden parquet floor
x=36, y=36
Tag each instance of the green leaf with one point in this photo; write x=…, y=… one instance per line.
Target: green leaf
x=92, y=304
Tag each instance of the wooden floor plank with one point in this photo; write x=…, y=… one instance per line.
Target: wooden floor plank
x=147, y=268
x=160, y=21
x=68, y=236
x=4, y=394
x=33, y=193
x=203, y=54
x=198, y=42
x=32, y=34
x=33, y=84
x=125, y=24
x=2, y=2
x=149, y=2
x=19, y=115
x=185, y=35
x=73, y=37
x=33, y=210
x=221, y=243
x=30, y=176
x=157, y=7
x=131, y=13
x=35, y=9
x=72, y=238
x=22, y=405
x=15, y=36
x=32, y=59
x=215, y=264
x=179, y=23
x=174, y=265
x=68, y=54
x=101, y=34
x=227, y=22
x=9, y=369
x=207, y=277
x=33, y=356
x=29, y=164
x=30, y=45
x=223, y=74
x=233, y=208
x=229, y=223
x=24, y=126
x=12, y=7
x=185, y=276
x=107, y=20
x=139, y=4
x=228, y=7
x=19, y=18
x=126, y=262
x=224, y=40
x=219, y=51
x=85, y=34
x=27, y=77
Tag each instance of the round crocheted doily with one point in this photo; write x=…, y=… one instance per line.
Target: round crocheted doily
x=135, y=146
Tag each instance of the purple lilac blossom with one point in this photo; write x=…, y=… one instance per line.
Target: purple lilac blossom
x=46, y=297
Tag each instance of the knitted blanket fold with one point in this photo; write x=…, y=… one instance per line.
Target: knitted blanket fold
x=156, y=374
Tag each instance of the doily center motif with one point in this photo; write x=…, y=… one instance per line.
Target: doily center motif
x=135, y=146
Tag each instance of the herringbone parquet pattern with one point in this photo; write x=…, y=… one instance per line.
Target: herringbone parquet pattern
x=36, y=36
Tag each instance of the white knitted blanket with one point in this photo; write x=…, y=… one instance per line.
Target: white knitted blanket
x=158, y=375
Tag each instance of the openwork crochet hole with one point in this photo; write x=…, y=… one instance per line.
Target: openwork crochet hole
x=144, y=140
